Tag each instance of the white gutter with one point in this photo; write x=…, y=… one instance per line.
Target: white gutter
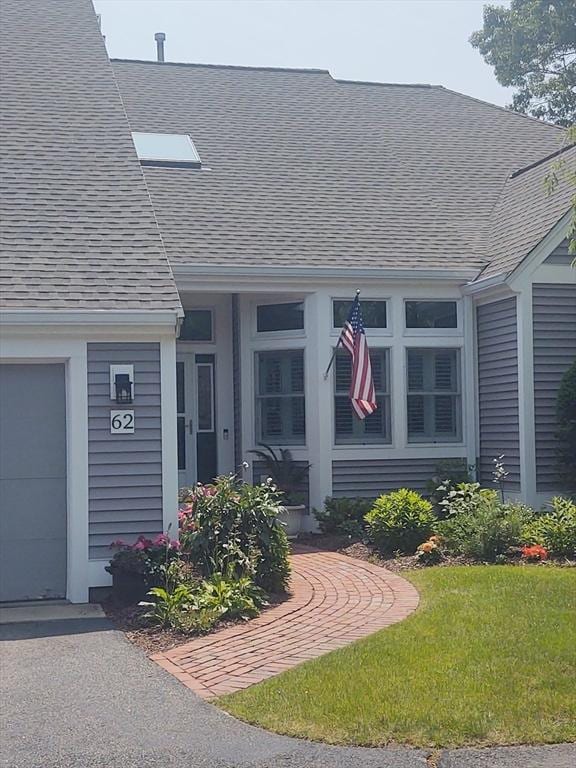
x=482, y=285
x=115, y=317
x=251, y=273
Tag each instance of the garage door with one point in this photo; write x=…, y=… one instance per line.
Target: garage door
x=32, y=482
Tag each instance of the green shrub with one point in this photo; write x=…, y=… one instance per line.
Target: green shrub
x=400, y=520
x=447, y=475
x=566, y=434
x=344, y=516
x=484, y=528
x=466, y=498
x=555, y=530
x=233, y=528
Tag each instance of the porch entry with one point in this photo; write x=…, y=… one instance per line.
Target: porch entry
x=196, y=419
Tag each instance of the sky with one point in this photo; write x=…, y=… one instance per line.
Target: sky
x=394, y=41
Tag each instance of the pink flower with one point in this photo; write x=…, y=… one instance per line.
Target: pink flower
x=175, y=545
x=161, y=540
x=118, y=544
x=139, y=545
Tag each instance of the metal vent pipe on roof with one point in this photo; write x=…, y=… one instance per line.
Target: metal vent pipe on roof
x=160, y=37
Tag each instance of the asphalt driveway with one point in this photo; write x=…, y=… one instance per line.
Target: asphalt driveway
x=74, y=693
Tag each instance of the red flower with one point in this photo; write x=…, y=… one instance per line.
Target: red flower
x=534, y=552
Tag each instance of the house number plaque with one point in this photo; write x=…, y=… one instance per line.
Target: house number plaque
x=121, y=422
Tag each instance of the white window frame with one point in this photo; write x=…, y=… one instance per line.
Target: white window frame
x=257, y=397
x=459, y=395
x=371, y=333
x=387, y=395
x=296, y=333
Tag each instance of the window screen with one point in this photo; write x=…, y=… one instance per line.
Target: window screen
x=431, y=314
x=280, y=317
x=197, y=325
x=373, y=313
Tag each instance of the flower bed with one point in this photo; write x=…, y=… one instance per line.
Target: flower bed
x=230, y=562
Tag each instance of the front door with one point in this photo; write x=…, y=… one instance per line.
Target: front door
x=197, y=449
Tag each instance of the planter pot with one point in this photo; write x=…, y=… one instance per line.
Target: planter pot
x=128, y=588
x=292, y=517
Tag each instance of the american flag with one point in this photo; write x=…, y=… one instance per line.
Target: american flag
x=353, y=339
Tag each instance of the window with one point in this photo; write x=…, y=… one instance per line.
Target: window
x=280, y=409
x=348, y=427
x=280, y=317
x=176, y=149
x=431, y=314
x=373, y=313
x=434, y=395
x=197, y=325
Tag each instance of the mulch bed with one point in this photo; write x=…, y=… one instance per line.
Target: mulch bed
x=129, y=619
x=363, y=551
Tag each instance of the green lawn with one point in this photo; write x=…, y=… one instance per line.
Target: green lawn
x=489, y=657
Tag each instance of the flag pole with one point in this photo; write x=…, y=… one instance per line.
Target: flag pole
x=330, y=364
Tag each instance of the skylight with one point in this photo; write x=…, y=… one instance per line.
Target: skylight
x=166, y=149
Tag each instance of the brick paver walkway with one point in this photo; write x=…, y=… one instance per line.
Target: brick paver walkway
x=335, y=600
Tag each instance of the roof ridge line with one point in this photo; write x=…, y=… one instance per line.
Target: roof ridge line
x=387, y=85
x=221, y=66
x=520, y=171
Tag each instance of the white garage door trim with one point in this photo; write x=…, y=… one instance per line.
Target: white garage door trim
x=73, y=354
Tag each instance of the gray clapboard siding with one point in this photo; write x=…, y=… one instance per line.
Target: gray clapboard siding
x=554, y=333
x=498, y=389
x=560, y=255
x=125, y=471
x=369, y=478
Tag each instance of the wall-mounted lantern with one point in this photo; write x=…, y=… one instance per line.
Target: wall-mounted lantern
x=122, y=384
x=123, y=388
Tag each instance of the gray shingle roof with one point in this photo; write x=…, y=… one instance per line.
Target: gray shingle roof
x=307, y=170
x=78, y=229
x=526, y=211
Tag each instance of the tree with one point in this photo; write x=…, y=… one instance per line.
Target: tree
x=532, y=47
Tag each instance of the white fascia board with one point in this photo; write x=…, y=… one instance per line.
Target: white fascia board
x=193, y=276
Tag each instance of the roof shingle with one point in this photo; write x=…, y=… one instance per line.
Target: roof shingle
x=307, y=170
x=78, y=229
x=526, y=211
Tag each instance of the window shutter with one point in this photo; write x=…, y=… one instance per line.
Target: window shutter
x=297, y=373
x=444, y=371
x=415, y=371
x=444, y=414
x=343, y=416
x=416, y=414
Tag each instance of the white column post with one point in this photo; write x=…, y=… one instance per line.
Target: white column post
x=77, y=471
x=470, y=382
x=169, y=435
x=318, y=399
x=526, y=396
